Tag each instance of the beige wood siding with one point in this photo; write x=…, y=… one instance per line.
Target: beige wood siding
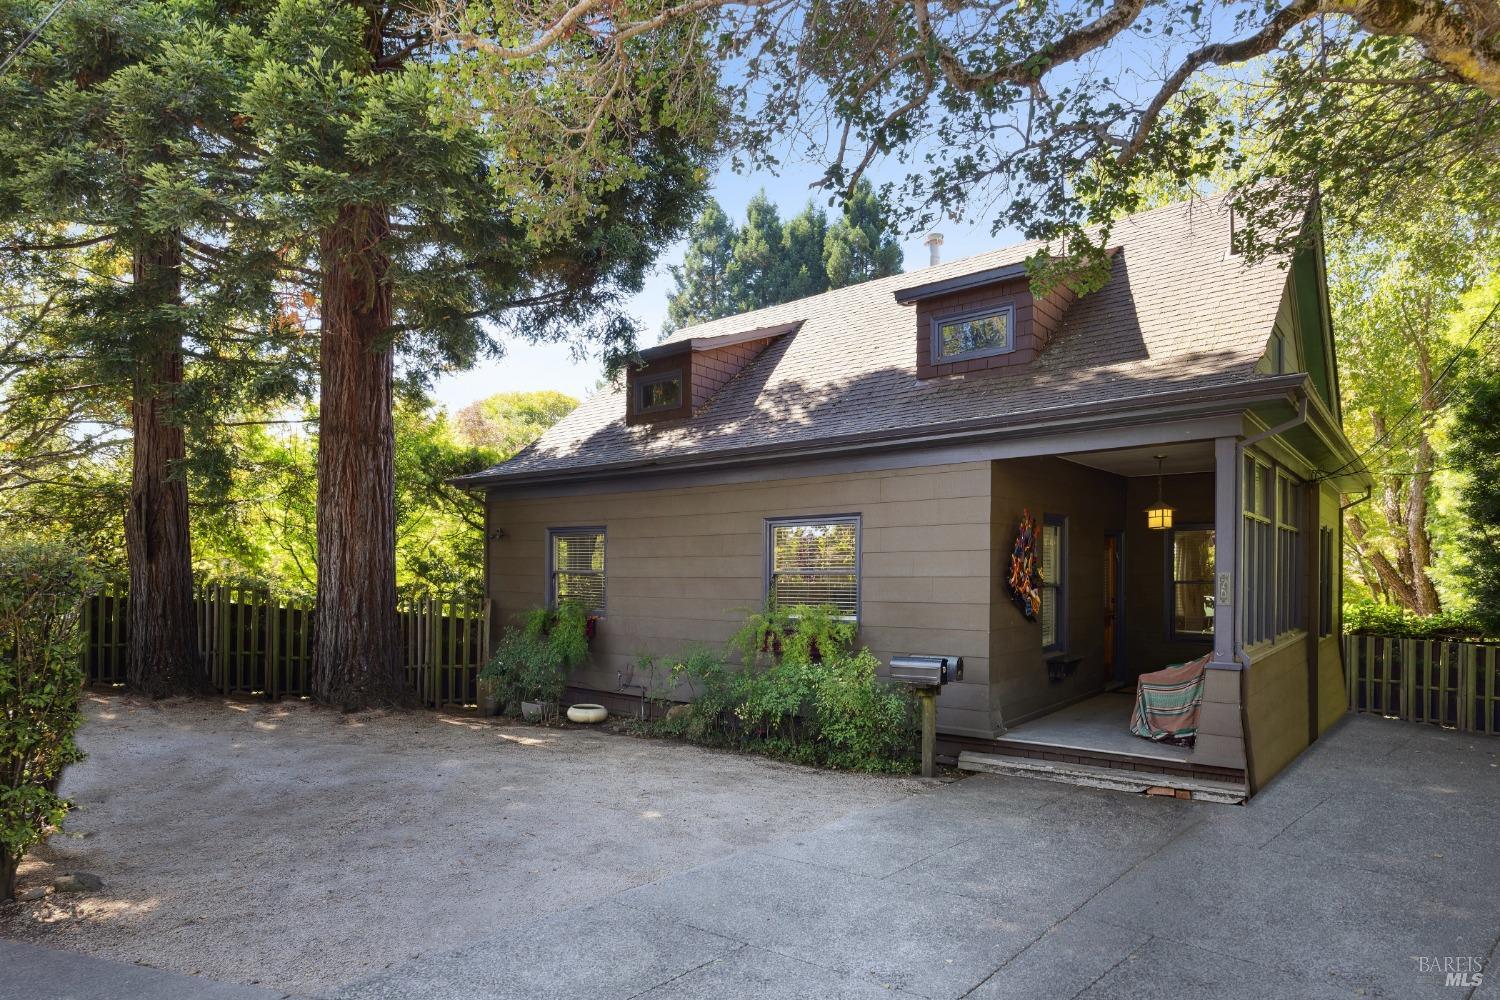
x=685, y=565
x=1093, y=503
x=1276, y=708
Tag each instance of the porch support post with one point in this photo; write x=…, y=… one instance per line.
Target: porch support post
x=1227, y=587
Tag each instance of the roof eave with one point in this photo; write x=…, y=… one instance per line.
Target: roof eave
x=1152, y=408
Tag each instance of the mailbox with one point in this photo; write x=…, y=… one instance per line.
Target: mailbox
x=927, y=671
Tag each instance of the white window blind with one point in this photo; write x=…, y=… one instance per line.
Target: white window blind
x=1054, y=581
x=816, y=562
x=578, y=567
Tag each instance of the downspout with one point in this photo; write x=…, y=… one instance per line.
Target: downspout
x=1251, y=786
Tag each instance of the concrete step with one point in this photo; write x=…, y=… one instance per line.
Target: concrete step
x=1095, y=776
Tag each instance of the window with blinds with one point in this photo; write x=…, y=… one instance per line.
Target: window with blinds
x=1053, y=615
x=815, y=561
x=577, y=557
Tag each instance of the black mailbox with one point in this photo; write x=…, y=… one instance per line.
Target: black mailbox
x=927, y=671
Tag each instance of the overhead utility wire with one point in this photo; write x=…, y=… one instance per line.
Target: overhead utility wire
x=30, y=36
x=1447, y=369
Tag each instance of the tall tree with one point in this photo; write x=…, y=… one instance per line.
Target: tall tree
x=1041, y=118
x=438, y=201
x=122, y=195
x=862, y=245
x=702, y=282
x=802, y=243
x=1477, y=453
x=757, y=267
x=727, y=270
x=1398, y=290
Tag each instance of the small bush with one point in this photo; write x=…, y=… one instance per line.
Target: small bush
x=532, y=660
x=1371, y=618
x=803, y=695
x=42, y=587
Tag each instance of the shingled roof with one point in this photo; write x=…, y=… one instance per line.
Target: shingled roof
x=1178, y=314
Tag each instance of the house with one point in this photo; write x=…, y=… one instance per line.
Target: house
x=910, y=421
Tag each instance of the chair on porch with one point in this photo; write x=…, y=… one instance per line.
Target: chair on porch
x=1167, y=703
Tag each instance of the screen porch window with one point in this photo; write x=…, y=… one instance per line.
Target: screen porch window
x=1192, y=573
x=577, y=567
x=815, y=561
x=975, y=335
x=1053, y=616
x=1291, y=588
x=1259, y=559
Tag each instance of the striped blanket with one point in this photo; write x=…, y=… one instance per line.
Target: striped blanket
x=1167, y=703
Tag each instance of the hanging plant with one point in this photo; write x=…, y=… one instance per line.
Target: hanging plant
x=1025, y=569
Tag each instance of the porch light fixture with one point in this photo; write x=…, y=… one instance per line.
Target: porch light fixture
x=1159, y=514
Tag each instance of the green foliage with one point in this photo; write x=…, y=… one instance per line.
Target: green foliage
x=42, y=587
x=800, y=633
x=803, y=694
x=1477, y=453
x=1373, y=618
x=533, y=658
x=729, y=269
x=508, y=421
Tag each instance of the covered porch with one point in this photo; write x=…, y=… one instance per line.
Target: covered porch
x=1123, y=595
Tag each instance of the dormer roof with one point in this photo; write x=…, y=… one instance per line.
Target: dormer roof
x=1179, y=316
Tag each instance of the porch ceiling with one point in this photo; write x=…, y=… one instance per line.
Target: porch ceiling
x=1180, y=459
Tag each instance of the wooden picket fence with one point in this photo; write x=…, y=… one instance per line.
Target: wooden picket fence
x=1454, y=684
x=259, y=644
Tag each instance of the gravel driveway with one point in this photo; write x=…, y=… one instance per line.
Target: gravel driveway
x=413, y=857
x=291, y=845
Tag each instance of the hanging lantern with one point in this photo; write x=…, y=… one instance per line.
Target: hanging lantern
x=1159, y=514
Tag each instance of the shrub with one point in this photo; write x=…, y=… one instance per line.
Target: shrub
x=42, y=587
x=803, y=695
x=1372, y=618
x=532, y=660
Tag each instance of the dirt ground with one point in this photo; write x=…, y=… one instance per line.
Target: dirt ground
x=299, y=848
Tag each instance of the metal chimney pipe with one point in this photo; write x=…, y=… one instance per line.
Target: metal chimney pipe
x=933, y=241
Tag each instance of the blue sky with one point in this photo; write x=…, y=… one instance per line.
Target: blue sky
x=551, y=366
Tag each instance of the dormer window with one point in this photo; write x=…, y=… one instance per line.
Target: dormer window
x=974, y=335
x=659, y=392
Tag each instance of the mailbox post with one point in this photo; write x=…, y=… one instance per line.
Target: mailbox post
x=927, y=675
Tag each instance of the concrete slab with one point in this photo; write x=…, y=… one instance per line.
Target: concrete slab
x=915, y=938
x=1063, y=962
x=1162, y=968
x=755, y=974
x=1100, y=724
x=602, y=952
x=881, y=842
x=34, y=973
x=1049, y=862
x=1371, y=851
x=1309, y=917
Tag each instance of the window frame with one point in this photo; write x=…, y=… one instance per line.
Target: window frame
x=1326, y=556
x=1060, y=587
x=938, y=322
x=552, y=571
x=1170, y=576
x=642, y=384
x=769, y=572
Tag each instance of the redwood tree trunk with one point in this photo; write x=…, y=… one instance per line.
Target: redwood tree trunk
x=163, y=655
x=357, y=638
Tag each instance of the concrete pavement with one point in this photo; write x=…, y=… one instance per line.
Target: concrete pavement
x=1374, y=852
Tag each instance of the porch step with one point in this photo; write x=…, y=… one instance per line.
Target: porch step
x=1094, y=776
